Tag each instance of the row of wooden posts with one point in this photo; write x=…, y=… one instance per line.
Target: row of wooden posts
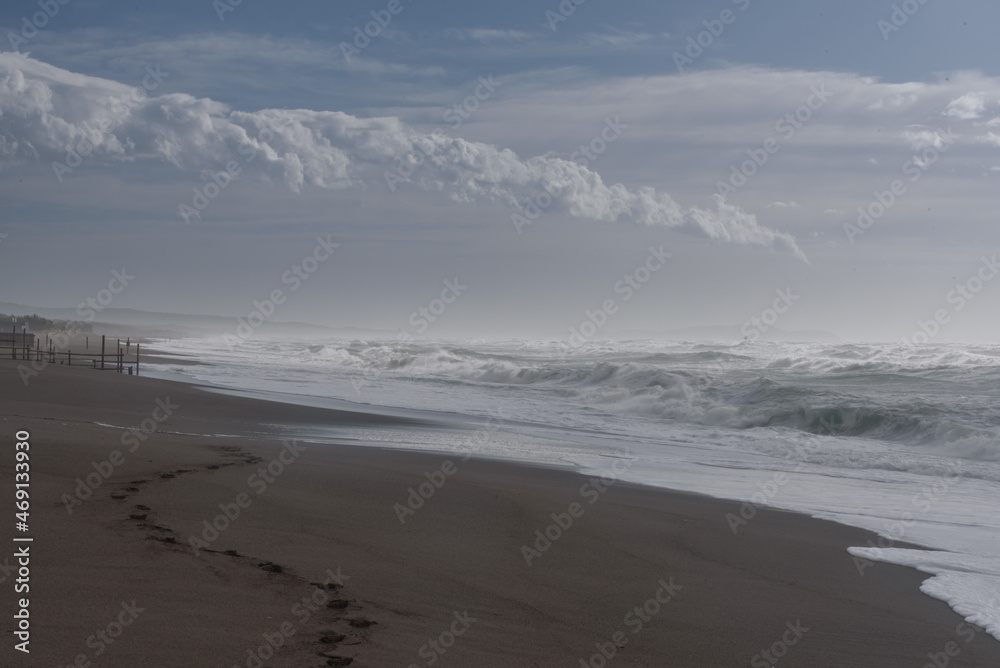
x=115, y=360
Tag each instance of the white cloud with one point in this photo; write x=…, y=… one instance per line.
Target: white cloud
x=921, y=137
x=44, y=111
x=968, y=107
x=616, y=38
x=894, y=102
x=489, y=34
x=784, y=205
x=991, y=138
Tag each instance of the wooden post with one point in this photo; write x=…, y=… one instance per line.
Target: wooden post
x=128, y=344
x=86, y=345
x=102, y=352
x=137, y=358
x=13, y=341
x=69, y=358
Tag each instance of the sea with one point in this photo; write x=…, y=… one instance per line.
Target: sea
x=903, y=440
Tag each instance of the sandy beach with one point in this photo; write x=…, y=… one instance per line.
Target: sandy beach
x=211, y=536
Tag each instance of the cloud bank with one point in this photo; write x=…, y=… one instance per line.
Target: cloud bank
x=67, y=119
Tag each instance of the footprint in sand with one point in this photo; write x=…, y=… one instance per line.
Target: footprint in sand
x=270, y=567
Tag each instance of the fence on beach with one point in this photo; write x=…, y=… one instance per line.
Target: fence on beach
x=121, y=358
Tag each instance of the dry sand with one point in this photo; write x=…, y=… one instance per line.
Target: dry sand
x=449, y=587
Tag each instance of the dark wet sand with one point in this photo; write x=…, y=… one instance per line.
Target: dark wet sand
x=451, y=584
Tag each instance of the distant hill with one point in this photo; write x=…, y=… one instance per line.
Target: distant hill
x=153, y=323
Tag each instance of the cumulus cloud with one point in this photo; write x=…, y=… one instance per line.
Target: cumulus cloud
x=922, y=137
x=968, y=107
x=50, y=114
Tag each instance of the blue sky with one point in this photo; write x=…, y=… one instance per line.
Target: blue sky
x=669, y=139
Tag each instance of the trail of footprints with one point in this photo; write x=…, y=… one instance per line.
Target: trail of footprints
x=328, y=640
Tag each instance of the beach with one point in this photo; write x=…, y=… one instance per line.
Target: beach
x=212, y=534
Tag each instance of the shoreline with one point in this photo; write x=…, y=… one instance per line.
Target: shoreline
x=330, y=514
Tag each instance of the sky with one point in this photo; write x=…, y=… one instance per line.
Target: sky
x=513, y=169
